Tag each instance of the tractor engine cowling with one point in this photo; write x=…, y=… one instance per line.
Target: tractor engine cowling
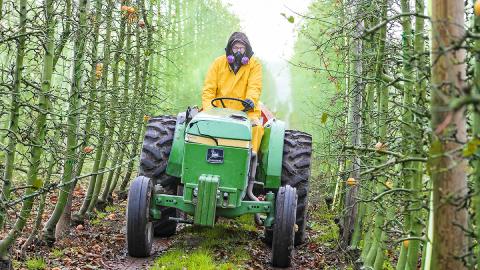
x=216, y=162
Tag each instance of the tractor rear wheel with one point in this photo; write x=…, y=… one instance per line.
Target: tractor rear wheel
x=284, y=226
x=157, y=145
x=139, y=226
x=297, y=152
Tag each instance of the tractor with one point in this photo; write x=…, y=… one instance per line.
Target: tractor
x=199, y=166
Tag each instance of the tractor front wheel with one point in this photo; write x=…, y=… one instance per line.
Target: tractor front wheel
x=157, y=145
x=139, y=226
x=284, y=227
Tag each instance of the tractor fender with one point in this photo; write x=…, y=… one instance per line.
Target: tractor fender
x=175, y=160
x=271, y=154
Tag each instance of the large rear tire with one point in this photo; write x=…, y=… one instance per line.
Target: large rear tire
x=284, y=227
x=297, y=152
x=157, y=145
x=139, y=226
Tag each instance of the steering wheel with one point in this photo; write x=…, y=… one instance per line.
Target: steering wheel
x=221, y=99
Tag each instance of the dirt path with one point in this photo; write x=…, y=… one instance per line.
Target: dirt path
x=129, y=263
x=232, y=244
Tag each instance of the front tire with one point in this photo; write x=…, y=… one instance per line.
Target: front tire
x=284, y=227
x=157, y=145
x=139, y=226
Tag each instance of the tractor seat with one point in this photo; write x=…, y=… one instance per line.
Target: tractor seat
x=267, y=115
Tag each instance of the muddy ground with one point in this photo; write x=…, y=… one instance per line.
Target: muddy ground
x=99, y=243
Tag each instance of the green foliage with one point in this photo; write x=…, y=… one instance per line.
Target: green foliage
x=111, y=208
x=198, y=39
x=324, y=228
x=36, y=264
x=199, y=259
x=387, y=265
x=290, y=19
x=324, y=118
x=471, y=147
x=315, y=76
x=318, y=88
x=100, y=216
x=220, y=247
x=56, y=253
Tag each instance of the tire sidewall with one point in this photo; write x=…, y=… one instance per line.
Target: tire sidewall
x=284, y=227
x=139, y=225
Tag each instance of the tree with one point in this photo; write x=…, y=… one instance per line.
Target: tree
x=14, y=111
x=33, y=181
x=447, y=165
x=355, y=122
x=70, y=155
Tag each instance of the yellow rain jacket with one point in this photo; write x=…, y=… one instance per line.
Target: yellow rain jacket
x=246, y=84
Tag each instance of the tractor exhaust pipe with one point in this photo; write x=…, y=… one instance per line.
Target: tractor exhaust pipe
x=251, y=182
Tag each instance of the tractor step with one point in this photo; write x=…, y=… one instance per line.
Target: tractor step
x=180, y=220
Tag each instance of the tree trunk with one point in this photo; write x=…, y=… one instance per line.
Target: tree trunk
x=41, y=205
x=38, y=139
x=408, y=126
x=447, y=165
x=14, y=113
x=64, y=221
x=80, y=215
x=355, y=137
x=125, y=117
x=137, y=115
x=1, y=10
x=72, y=120
x=114, y=106
x=416, y=224
x=376, y=235
x=476, y=134
x=65, y=34
x=105, y=118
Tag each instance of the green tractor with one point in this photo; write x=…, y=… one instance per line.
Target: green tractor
x=200, y=165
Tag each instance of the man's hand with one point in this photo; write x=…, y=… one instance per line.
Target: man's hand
x=248, y=104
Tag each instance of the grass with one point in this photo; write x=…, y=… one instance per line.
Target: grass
x=323, y=225
x=56, y=253
x=36, y=264
x=220, y=247
x=111, y=208
x=200, y=259
x=98, y=218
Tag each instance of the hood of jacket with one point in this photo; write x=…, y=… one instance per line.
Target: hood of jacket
x=240, y=37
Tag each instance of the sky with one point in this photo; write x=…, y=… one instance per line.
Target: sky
x=271, y=35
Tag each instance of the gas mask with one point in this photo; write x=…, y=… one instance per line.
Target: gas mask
x=239, y=58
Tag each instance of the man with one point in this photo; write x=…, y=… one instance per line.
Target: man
x=237, y=75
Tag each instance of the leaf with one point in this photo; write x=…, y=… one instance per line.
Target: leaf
x=290, y=19
x=37, y=183
x=471, y=147
x=324, y=118
x=436, y=147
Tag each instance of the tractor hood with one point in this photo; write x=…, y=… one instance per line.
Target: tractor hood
x=221, y=123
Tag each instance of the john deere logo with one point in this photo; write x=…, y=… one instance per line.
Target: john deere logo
x=215, y=156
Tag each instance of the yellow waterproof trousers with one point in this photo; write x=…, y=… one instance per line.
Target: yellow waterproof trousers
x=257, y=134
